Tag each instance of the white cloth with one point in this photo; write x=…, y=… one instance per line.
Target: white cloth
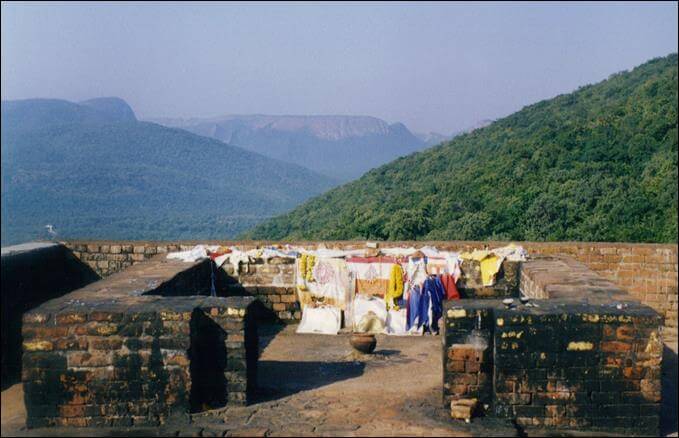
x=334, y=253
x=400, y=251
x=235, y=258
x=363, y=305
x=511, y=252
x=453, y=261
x=430, y=251
x=196, y=253
x=416, y=271
x=396, y=322
x=268, y=253
x=320, y=320
x=332, y=280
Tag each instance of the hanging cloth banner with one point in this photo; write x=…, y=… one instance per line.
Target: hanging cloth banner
x=371, y=274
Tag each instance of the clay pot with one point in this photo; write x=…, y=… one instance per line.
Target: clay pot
x=363, y=342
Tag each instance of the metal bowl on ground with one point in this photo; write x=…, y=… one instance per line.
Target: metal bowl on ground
x=363, y=342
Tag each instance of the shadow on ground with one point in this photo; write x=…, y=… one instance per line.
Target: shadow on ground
x=266, y=331
x=279, y=379
x=668, y=422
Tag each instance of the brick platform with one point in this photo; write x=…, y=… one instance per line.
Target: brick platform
x=576, y=361
x=141, y=348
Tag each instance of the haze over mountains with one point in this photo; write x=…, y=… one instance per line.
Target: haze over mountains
x=343, y=147
x=598, y=164
x=93, y=170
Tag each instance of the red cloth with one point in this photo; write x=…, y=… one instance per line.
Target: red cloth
x=450, y=287
x=214, y=255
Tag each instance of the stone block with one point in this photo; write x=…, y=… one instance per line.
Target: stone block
x=463, y=409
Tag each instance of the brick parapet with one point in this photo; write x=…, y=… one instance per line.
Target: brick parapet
x=647, y=271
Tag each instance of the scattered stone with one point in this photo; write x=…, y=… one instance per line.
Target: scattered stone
x=463, y=409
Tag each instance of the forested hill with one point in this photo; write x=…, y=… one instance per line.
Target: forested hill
x=92, y=170
x=598, y=164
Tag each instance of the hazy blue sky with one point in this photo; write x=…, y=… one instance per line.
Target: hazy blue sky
x=434, y=66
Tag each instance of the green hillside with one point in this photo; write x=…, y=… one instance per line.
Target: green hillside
x=93, y=171
x=599, y=164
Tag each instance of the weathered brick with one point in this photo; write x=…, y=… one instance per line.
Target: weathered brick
x=71, y=318
x=89, y=359
x=455, y=366
x=38, y=345
x=615, y=347
x=102, y=329
x=72, y=343
x=105, y=343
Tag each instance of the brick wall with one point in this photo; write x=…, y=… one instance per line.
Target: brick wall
x=647, y=271
x=272, y=281
x=100, y=368
x=468, y=354
x=574, y=361
x=563, y=366
x=560, y=369
x=29, y=278
x=149, y=351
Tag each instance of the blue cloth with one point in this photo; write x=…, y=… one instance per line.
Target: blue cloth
x=425, y=302
x=433, y=294
x=437, y=297
x=414, y=307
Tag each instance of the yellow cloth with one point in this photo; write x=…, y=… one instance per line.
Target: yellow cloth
x=489, y=269
x=302, y=265
x=310, y=262
x=395, y=288
x=489, y=263
x=306, y=266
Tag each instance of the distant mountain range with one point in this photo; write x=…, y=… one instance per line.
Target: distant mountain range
x=39, y=113
x=92, y=170
x=343, y=147
x=434, y=138
x=598, y=164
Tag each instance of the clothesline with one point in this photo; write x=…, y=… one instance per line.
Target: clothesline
x=397, y=290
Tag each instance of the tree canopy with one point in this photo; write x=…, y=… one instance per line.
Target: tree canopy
x=598, y=164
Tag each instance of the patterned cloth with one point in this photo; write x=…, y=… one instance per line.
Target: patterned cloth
x=371, y=274
x=330, y=283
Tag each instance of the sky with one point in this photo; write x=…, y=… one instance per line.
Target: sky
x=434, y=66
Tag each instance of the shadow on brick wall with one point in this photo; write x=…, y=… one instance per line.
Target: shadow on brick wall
x=228, y=286
x=208, y=363
x=668, y=419
x=29, y=279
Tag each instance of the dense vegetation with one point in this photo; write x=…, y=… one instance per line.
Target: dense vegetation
x=599, y=164
x=93, y=171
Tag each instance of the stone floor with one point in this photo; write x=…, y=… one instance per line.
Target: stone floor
x=315, y=385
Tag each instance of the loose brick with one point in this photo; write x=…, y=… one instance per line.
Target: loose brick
x=615, y=347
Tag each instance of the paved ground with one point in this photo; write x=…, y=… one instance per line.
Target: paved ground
x=316, y=385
